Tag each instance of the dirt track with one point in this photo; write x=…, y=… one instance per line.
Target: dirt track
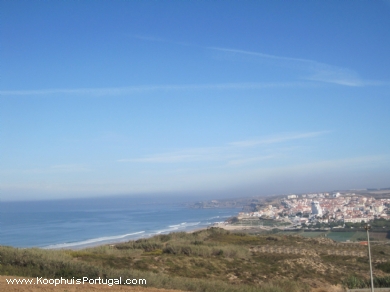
x=70, y=288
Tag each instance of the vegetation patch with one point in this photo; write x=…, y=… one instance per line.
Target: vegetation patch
x=208, y=260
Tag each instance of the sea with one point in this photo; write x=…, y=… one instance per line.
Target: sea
x=80, y=223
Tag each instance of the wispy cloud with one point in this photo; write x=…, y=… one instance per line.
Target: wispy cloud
x=262, y=55
x=277, y=139
x=233, y=153
x=150, y=88
x=316, y=71
x=312, y=71
x=340, y=76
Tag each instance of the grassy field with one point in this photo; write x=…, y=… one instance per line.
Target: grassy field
x=207, y=260
x=336, y=236
x=340, y=236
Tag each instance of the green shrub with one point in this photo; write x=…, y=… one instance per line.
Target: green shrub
x=353, y=282
x=385, y=267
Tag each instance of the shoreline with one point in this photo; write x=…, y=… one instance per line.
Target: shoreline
x=85, y=224
x=223, y=225
x=80, y=246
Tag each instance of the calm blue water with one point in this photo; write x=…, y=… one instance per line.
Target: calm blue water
x=80, y=223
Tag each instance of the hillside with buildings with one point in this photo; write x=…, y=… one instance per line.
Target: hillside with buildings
x=329, y=208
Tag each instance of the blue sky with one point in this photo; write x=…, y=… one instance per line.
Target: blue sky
x=208, y=97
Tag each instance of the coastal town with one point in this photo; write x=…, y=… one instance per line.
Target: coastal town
x=328, y=208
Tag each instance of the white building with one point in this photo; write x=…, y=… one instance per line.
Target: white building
x=336, y=195
x=356, y=220
x=316, y=208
